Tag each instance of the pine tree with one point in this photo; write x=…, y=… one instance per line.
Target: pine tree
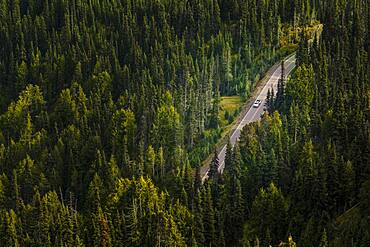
x=214, y=120
x=280, y=94
x=209, y=218
x=11, y=234
x=213, y=167
x=228, y=158
x=95, y=200
x=324, y=239
x=150, y=161
x=198, y=219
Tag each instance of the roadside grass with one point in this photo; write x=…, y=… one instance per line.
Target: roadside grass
x=227, y=103
x=231, y=106
x=229, y=110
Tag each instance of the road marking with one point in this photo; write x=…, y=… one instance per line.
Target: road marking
x=290, y=61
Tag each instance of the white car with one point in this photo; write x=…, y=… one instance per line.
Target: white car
x=257, y=103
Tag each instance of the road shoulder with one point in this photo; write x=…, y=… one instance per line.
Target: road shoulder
x=246, y=106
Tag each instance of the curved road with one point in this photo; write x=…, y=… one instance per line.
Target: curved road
x=254, y=114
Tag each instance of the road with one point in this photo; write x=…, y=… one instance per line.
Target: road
x=254, y=114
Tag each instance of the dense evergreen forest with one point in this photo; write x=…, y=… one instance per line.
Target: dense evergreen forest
x=109, y=107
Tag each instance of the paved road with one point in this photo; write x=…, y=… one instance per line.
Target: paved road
x=254, y=114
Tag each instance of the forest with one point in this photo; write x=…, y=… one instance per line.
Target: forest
x=108, y=109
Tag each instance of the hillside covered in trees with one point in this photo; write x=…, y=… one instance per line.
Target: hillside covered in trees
x=109, y=107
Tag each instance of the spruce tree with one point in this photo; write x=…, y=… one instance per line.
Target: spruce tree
x=213, y=167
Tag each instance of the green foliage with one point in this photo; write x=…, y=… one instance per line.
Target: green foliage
x=269, y=214
x=143, y=204
x=107, y=106
x=318, y=142
x=301, y=87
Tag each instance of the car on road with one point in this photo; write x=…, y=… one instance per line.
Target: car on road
x=257, y=103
